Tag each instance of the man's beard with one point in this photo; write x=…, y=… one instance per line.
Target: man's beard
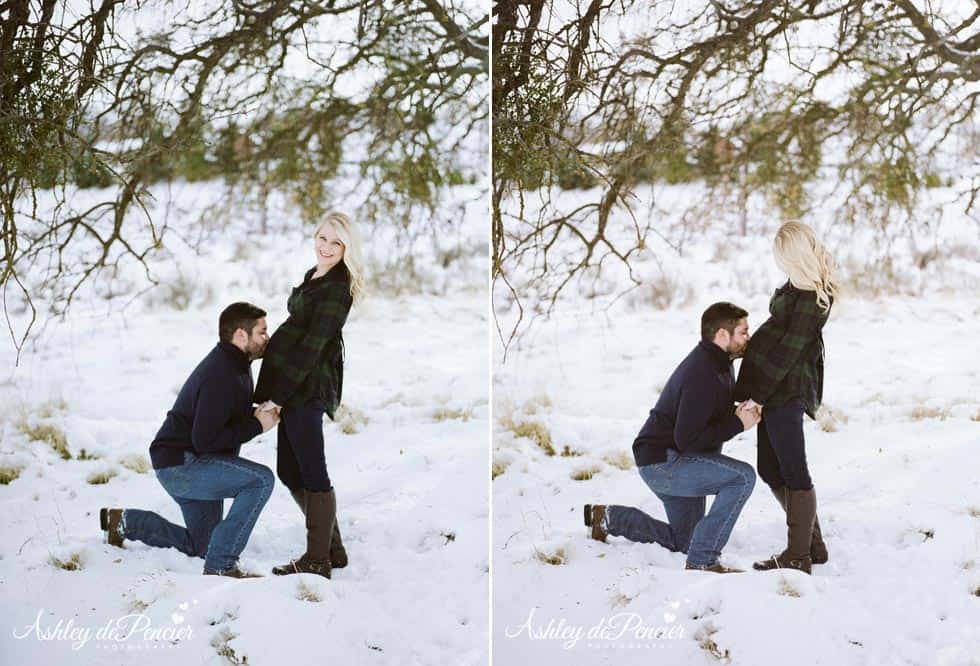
x=737, y=353
x=255, y=352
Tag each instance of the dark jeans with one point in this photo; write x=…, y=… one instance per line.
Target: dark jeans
x=300, y=460
x=682, y=483
x=782, y=450
x=200, y=486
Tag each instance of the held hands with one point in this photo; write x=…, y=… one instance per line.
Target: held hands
x=268, y=414
x=749, y=413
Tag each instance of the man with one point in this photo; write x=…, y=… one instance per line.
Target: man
x=678, y=451
x=195, y=454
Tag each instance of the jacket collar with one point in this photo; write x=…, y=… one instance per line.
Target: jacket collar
x=237, y=356
x=338, y=272
x=717, y=354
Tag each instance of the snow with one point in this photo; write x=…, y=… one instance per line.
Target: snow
x=892, y=458
x=407, y=455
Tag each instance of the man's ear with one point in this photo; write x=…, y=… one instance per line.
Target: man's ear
x=722, y=337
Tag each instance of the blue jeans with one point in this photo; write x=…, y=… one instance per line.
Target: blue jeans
x=682, y=482
x=200, y=486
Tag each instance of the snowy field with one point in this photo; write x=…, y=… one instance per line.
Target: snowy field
x=408, y=458
x=892, y=457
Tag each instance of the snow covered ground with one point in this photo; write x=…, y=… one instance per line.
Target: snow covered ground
x=408, y=458
x=892, y=458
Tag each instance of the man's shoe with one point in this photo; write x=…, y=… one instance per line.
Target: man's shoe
x=594, y=514
x=338, y=554
x=234, y=572
x=717, y=567
x=110, y=520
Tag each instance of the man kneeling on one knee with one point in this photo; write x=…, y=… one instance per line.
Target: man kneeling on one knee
x=678, y=451
x=196, y=454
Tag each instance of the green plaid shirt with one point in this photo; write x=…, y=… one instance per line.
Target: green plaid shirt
x=784, y=359
x=305, y=357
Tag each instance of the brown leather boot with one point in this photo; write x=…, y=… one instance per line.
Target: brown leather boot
x=717, y=567
x=110, y=520
x=818, y=549
x=594, y=513
x=338, y=554
x=801, y=511
x=321, y=514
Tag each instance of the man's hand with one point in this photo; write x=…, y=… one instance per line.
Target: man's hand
x=749, y=413
x=268, y=417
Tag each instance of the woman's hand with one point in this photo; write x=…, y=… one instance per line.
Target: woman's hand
x=749, y=414
x=267, y=417
x=269, y=406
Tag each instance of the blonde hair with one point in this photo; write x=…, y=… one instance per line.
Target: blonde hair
x=805, y=260
x=353, y=259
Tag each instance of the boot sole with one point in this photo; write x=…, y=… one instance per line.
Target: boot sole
x=587, y=515
x=104, y=519
x=276, y=571
x=773, y=564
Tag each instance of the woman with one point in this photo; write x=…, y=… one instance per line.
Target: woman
x=783, y=372
x=302, y=374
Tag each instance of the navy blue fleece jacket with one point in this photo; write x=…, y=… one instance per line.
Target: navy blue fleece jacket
x=695, y=413
x=213, y=412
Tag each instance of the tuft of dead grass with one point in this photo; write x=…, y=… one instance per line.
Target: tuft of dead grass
x=220, y=642
x=535, y=431
x=305, y=593
x=585, y=473
x=830, y=419
x=923, y=412
x=786, y=589
x=536, y=404
x=351, y=420
x=48, y=434
x=136, y=462
x=555, y=558
x=102, y=477
x=51, y=407
x=705, y=641
x=619, y=460
x=9, y=473
x=72, y=563
x=451, y=414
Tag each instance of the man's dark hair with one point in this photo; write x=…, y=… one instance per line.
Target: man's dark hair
x=720, y=315
x=236, y=316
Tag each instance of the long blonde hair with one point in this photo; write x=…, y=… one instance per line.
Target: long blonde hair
x=353, y=259
x=805, y=260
